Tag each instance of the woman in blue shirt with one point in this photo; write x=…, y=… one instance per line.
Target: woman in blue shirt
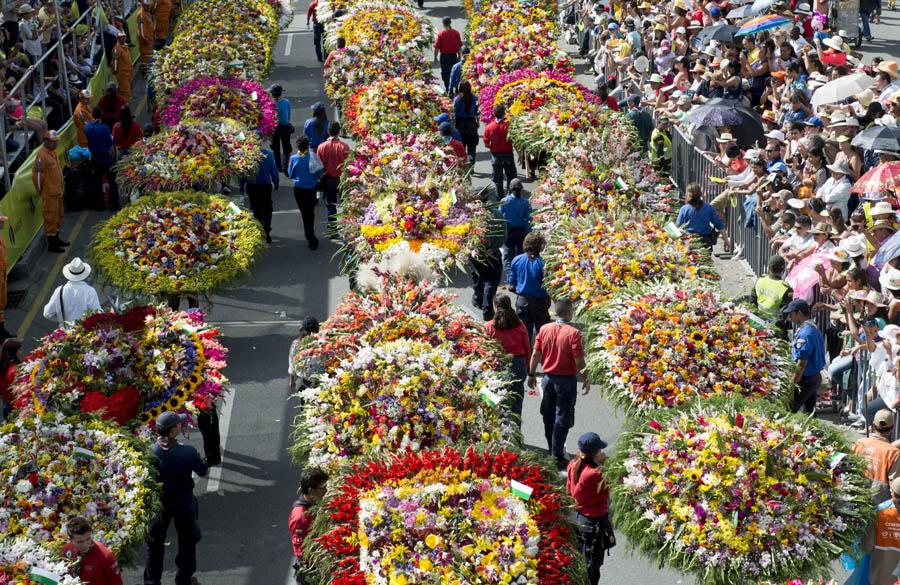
x=306, y=185
x=316, y=128
x=698, y=217
x=465, y=110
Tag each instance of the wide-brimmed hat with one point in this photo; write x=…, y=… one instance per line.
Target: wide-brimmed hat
x=875, y=298
x=890, y=279
x=24, y=9
x=777, y=135
x=838, y=255
x=725, y=137
x=889, y=67
x=854, y=246
x=803, y=8
x=835, y=42
x=796, y=203
x=76, y=270
x=881, y=208
x=865, y=97
x=821, y=228
x=839, y=166
x=768, y=116
x=656, y=78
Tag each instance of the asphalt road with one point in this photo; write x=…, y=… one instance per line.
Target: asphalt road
x=244, y=504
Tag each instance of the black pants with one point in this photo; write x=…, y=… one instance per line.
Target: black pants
x=331, y=190
x=519, y=369
x=103, y=171
x=514, y=239
x=281, y=145
x=306, y=203
x=318, y=29
x=261, y=203
x=208, y=423
x=534, y=313
x=805, y=393
x=502, y=164
x=558, y=411
x=448, y=60
x=188, y=536
x=468, y=131
x=486, y=275
x=594, y=535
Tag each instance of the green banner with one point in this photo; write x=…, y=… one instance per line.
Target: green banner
x=22, y=204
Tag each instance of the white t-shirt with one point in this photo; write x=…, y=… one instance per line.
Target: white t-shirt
x=27, y=30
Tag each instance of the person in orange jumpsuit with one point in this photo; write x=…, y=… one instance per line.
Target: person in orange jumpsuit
x=82, y=115
x=46, y=174
x=123, y=67
x=145, y=30
x=162, y=13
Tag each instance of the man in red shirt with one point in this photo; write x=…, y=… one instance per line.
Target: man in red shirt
x=313, y=482
x=447, y=46
x=496, y=138
x=559, y=350
x=96, y=564
x=332, y=153
x=458, y=148
x=318, y=28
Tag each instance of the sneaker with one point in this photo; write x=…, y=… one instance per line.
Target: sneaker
x=212, y=462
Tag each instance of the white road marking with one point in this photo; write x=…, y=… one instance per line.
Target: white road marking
x=290, y=576
x=288, y=43
x=287, y=212
x=215, y=474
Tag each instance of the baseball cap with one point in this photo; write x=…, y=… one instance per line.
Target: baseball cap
x=442, y=117
x=168, y=421
x=796, y=305
x=814, y=121
x=884, y=420
x=591, y=443
x=714, y=11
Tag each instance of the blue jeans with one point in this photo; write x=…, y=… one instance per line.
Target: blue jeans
x=503, y=164
x=558, y=411
x=864, y=19
x=838, y=367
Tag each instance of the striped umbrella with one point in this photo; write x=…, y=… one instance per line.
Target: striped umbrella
x=761, y=23
x=884, y=177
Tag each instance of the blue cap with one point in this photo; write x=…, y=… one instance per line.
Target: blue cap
x=441, y=118
x=318, y=107
x=714, y=11
x=778, y=167
x=814, y=121
x=796, y=305
x=168, y=421
x=591, y=443
x=612, y=26
x=444, y=127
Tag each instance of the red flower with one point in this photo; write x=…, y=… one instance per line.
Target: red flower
x=655, y=425
x=120, y=407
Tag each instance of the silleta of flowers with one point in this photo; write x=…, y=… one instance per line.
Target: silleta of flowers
x=395, y=105
x=52, y=468
x=527, y=48
x=592, y=257
x=397, y=395
x=24, y=563
x=525, y=90
x=391, y=27
x=127, y=367
x=176, y=243
x=662, y=346
x=733, y=491
x=356, y=66
x=504, y=19
x=193, y=153
x=246, y=102
x=445, y=517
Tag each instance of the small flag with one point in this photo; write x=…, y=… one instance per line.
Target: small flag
x=490, y=397
x=836, y=459
x=43, y=576
x=82, y=453
x=520, y=490
x=673, y=230
x=756, y=320
x=620, y=184
x=234, y=208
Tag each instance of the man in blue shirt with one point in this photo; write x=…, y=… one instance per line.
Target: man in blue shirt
x=445, y=117
x=456, y=71
x=808, y=351
x=526, y=278
x=516, y=211
x=100, y=143
x=259, y=190
x=281, y=138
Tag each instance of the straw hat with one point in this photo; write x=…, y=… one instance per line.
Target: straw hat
x=875, y=298
x=881, y=208
x=854, y=246
x=835, y=42
x=889, y=67
x=890, y=279
x=76, y=270
x=839, y=166
x=725, y=137
x=865, y=97
x=840, y=256
x=820, y=228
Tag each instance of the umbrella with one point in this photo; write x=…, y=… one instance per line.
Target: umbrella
x=841, y=88
x=761, y=23
x=887, y=251
x=762, y=5
x=724, y=33
x=746, y=131
x=743, y=12
x=878, y=138
x=884, y=177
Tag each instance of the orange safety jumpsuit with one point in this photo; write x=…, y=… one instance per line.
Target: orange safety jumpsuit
x=883, y=542
x=145, y=31
x=82, y=116
x=48, y=181
x=123, y=69
x=884, y=463
x=162, y=12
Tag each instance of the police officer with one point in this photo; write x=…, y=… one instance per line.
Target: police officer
x=174, y=464
x=808, y=351
x=771, y=293
x=661, y=145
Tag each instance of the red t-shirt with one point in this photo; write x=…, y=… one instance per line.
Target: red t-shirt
x=332, y=153
x=612, y=103
x=496, y=137
x=448, y=41
x=591, y=500
x=96, y=567
x=559, y=345
x=515, y=341
x=311, y=11
x=298, y=523
x=738, y=165
x=5, y=382
x=458, y=148
x=124, y=139
x=832, y=57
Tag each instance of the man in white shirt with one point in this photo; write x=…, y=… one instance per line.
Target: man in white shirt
x=71, y=301
x=835, y=192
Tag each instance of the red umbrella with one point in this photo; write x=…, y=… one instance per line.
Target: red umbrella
x=884, y=177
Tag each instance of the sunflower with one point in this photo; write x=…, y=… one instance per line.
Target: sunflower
x=698, y=337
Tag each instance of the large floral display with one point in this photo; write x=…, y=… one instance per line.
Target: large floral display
x=52, y=468
x=395, y=105
x=733, y=492
x=592, y=257
x=196, y=152
x=570, y=124
x=525, y=90
x=177, y=243
x=246, y=102
x=127, y=367
x=494, y=517
x=503, y=19
x=527, y=48
x=662, y=346
x=390, y=27
x=352, y=67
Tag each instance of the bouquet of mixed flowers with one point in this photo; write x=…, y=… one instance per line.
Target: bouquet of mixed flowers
x=564, y=126
x=128, y=367
x=326, y=9
x=503, y=19
x=661, y=346
x=178, y=242
x=356, y=66
x=392, y=28
x=733, y=491
x=397, y=395
x=590, y=258
x=246, y=102
x=195, y=152
x=525, y=90
x=284, y=11
x=493, y=517
x=395, y=105
x=476, y=7
x=527, y=48
x=22, y=562
x=53, y=468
